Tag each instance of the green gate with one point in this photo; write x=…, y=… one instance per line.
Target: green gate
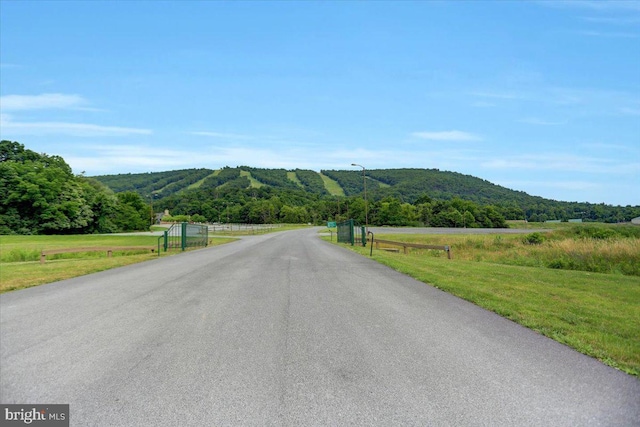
x=347, y=234
x=185, y=235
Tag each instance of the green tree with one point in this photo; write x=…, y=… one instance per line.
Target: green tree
x=41, y=194
x=131, y=213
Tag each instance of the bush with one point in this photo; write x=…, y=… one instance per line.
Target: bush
x=533, y=239
x=600, y=233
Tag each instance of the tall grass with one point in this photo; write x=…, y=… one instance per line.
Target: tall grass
x=566, y=249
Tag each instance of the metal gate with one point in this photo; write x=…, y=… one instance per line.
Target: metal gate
x=347, y=233
x=185, y=235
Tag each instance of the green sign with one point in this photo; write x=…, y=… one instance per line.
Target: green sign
x=331, y=224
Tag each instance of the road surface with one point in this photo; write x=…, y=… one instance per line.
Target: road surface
x=288, y=330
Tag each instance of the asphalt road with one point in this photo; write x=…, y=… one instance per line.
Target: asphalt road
x=288, y=330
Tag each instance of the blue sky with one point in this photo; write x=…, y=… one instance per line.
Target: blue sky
x=539, y=96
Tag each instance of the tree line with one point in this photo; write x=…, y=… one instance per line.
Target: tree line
x=267, y=205
x=41, y=195
x=406, y=185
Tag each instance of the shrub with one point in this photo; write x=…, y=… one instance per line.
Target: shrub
x=533, y=239
x=600, y=233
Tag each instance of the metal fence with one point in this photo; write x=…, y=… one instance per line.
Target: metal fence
x=185, y=235
x=347, y=233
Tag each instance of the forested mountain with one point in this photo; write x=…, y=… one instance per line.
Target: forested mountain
x=41, y=195
x=405, y=185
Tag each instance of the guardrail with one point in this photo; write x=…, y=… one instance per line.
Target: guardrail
x=108, y=250
x=406, y=245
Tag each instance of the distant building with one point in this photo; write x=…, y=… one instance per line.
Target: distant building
x=636, y=221
x=576, y=220
x=160, y=215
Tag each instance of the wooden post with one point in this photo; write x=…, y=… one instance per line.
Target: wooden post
x=42, y=257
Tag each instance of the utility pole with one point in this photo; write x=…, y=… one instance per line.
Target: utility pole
x=366, y=209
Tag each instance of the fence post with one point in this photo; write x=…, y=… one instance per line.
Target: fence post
x=353, y=233
x=184, y=236
x=166, y=240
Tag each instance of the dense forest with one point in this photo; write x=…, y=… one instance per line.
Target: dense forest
x=404, y=186
x=41, y=195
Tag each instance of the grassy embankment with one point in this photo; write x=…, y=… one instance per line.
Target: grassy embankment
x=581, y=291
x=20, y=257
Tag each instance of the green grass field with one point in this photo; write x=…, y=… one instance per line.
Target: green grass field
x=20, y=257
x=597, y=314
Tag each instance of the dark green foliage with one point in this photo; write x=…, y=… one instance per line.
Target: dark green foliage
x=311, y=181
x=273, y=177
x=134, y=213
x=226, y=175
x=415, y=186
x=42, y=196
x=534, y=239
x=591, y=232
x=161, y=183
x=352, y=181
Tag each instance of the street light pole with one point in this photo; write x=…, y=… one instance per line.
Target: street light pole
x=366, y=209
x=151, y=214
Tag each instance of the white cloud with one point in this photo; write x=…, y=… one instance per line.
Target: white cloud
x=221, y=135
x=483, y=104
x=8, y=126
x=565, y=185
x=630, y=111
x=612, y=21
x=563, y=163
x=451, y=135
x=39, y=102
x=134, y=158
x=609, y=34
x=541, y=122
x=600, y=5
x=496, y=95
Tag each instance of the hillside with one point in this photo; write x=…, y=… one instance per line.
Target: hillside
x=42, y=196
x=406, y=185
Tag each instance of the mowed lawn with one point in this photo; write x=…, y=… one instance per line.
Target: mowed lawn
x=597, y=314
x=20, y=257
